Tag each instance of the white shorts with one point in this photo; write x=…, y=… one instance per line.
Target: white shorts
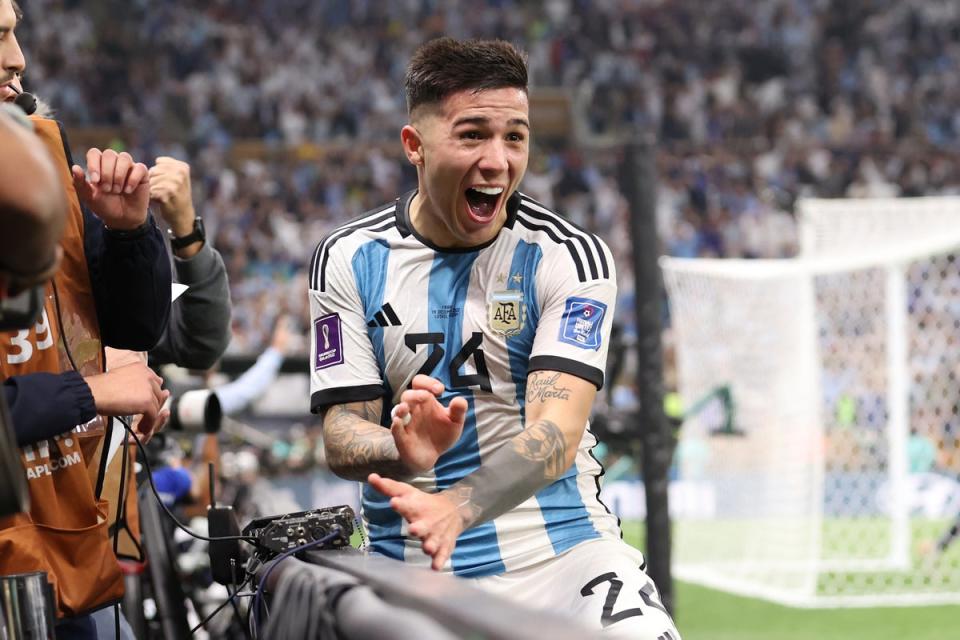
x=600, y=583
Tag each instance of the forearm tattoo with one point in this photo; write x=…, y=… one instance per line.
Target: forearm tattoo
x=542, y=386
x=530, y=461
x=357, y=445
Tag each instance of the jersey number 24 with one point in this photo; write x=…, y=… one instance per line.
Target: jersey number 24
x=472, y=348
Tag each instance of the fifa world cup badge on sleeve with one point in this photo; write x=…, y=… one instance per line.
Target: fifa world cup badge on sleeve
x=582, y=322
x=506, y=312
x=329, y=346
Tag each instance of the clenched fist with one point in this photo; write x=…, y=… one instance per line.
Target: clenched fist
x=170, y=190
x=114, y=187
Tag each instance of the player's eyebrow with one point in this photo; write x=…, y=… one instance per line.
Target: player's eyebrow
x=481, y=120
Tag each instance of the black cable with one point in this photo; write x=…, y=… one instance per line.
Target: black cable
x=283, y=556
x=122, y=503
x=252, y=540
x=235, y=595
x=63, y=335
x=236, y=610
x=121, y=514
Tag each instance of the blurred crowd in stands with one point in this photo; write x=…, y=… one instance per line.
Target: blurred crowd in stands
x=289, y=111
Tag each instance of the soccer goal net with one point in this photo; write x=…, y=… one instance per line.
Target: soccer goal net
x=821, y=409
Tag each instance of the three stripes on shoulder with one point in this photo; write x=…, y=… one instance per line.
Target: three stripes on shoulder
x=385, y=317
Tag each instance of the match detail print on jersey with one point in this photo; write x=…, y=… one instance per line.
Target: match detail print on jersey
x=582, y=322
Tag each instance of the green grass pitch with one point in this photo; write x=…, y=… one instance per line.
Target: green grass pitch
x=705, y=614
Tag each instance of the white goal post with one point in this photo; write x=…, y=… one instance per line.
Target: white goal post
x=840, y=364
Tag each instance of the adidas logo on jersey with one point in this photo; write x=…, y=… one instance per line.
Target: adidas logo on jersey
x=385, y=317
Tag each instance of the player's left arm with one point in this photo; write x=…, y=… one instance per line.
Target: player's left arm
x=558, y=405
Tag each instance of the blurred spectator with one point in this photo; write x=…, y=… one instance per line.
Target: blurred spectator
x=754, y=105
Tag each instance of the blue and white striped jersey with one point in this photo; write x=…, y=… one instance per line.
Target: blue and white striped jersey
x=386, y=305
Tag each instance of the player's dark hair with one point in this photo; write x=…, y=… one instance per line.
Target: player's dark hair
x=17, y=12
x=444, y=66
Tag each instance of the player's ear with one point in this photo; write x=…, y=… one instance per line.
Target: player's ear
x=412, y=144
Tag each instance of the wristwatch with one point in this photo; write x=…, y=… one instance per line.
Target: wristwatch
x=197, y=235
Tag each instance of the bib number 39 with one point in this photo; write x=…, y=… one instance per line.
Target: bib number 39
x=23, y=346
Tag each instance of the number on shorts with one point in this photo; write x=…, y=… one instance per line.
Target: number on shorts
x=608, y=617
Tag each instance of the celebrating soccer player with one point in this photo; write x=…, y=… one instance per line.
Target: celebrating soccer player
x=474, y=323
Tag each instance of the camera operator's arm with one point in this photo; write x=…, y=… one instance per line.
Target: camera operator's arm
x=43, y=405
x=199, y=328
x=128, y=264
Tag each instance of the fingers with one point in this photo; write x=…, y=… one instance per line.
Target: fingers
x=388, y=487
x=108, y=165
x=144, y=428
x=136, y=177
x=148, y=426
x=440, y=559
x=113, y=172
x=84, y=190
x=414, y=397
x=457, y=410
x=93, y=165
x=434, y=546
x=169, y=172
x=426, y=383
x=400, y=414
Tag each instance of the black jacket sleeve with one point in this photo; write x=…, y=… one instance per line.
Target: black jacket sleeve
x=199, y=328
x=130, y=276
x=43, y=405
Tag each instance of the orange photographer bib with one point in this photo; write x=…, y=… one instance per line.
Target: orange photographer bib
x=65, y=532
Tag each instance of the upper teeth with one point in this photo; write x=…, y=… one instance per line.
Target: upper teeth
x=490, y=191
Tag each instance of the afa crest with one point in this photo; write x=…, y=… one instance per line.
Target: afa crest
x=506, y=312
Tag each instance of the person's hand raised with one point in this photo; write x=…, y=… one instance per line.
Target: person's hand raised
x=423, y=428
x=115, y=188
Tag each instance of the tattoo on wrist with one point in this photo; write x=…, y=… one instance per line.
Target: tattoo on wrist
x=544, y=386
x=462, y=495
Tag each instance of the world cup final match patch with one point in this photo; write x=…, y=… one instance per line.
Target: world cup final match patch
x=329, y=346
x=581, y=323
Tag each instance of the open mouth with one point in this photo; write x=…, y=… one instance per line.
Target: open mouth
x=482, y=203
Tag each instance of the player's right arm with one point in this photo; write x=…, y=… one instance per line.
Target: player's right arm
x=356, y=445
x=347, y=387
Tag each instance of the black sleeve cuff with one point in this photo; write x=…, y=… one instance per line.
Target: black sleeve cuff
x=565, y=365
x=320, y=400
x=75, y=385
x=129, y=234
